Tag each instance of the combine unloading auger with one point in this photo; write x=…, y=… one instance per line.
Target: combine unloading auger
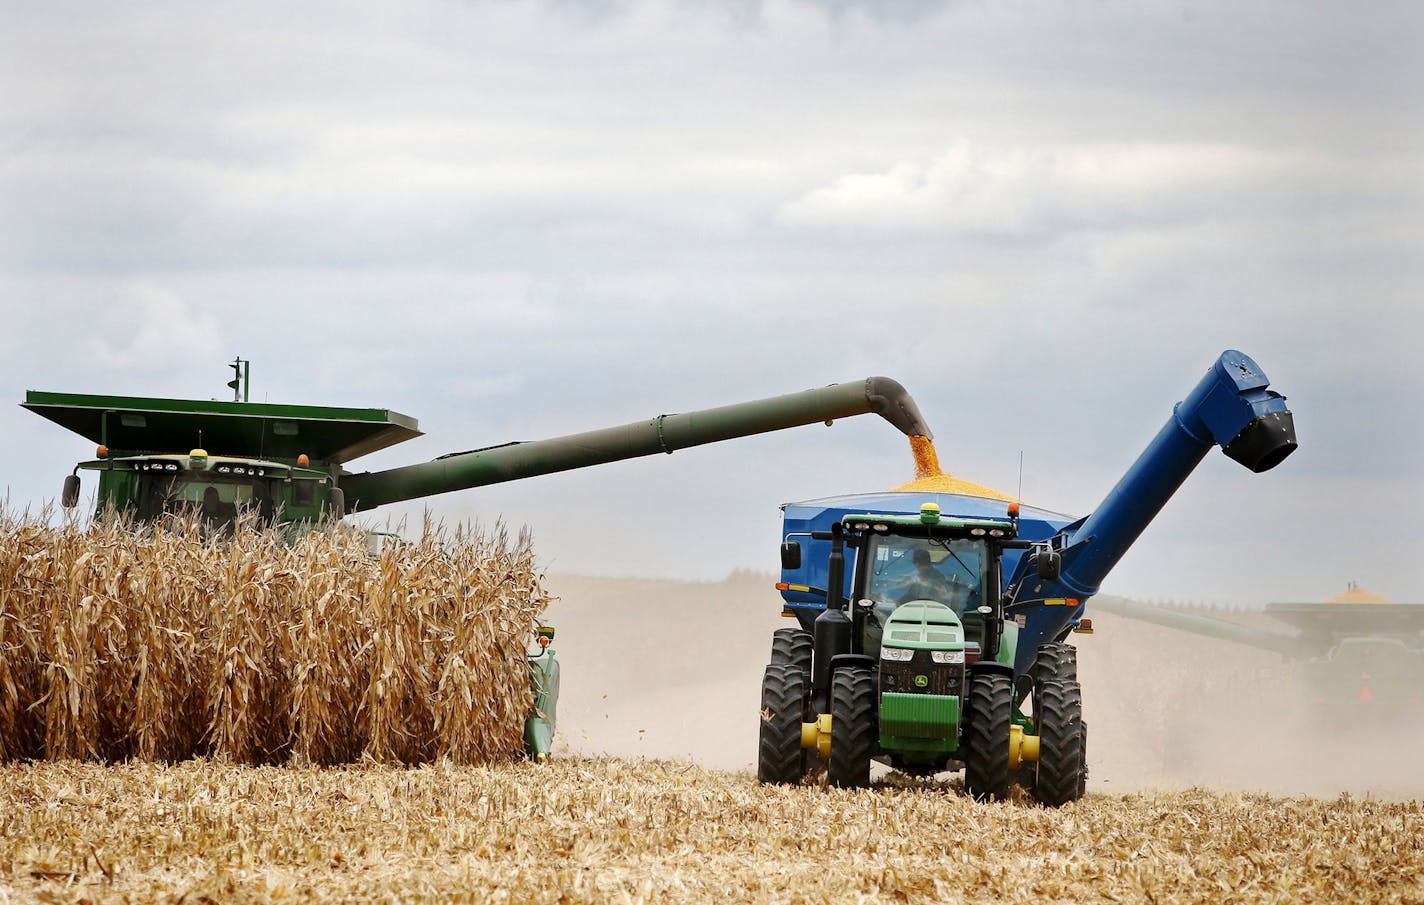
x=663, y=434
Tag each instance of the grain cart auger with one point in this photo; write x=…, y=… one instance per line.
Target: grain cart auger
x=286, y=462
x=928, y=622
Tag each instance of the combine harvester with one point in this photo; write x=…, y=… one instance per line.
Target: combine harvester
x=930, y=621
x=287, y=462
x=1360, y=656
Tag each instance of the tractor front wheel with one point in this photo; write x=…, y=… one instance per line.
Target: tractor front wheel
x=1062, y=742
x=853, y=728
x=780, y=757
x=986, y=737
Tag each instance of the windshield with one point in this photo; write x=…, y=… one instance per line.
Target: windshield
x=217, y=499
x=948, y=571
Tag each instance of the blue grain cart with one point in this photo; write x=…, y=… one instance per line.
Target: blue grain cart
x=931, y=627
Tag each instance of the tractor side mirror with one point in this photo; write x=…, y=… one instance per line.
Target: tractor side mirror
x=336, y=502
x=69, y=498
x=791, y=555
x=1050, y=565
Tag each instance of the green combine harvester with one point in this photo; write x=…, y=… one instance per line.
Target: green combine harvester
x=288, y=463
x=1360, y=657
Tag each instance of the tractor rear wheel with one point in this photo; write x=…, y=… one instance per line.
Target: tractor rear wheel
x=780, y=757
x=1062, y=742
x=986, y=737
x=1055, y=661
x=792, y=646
x=853, y=728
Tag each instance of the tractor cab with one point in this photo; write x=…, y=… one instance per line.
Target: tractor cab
x=906, y=566
x=898, y=570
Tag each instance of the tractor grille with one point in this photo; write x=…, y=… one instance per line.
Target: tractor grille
x=941, y=678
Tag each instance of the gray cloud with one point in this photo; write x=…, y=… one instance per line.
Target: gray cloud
x=515, y=221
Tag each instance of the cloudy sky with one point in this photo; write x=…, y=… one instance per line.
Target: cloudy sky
x=517, y=220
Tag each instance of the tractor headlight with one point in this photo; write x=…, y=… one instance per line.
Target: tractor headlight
x=900, y=654
x=947, y=656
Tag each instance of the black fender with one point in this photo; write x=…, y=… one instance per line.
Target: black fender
x=983, y=668
x=847, y=661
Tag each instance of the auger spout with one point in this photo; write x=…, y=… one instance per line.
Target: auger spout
x=1230, y=407
x=663, y=434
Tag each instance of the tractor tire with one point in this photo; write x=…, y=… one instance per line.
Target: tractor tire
x=854, y=728
x=986, y=737
x=1056, y=661
x=792, y=646
x=780, y=757
x=1062, y=743
x=1083, y=774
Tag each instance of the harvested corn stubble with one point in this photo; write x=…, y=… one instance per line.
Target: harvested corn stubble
x=163, y=642
x=659, y=832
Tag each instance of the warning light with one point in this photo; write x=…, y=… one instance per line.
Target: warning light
x=1014, y=510
x=102, y=452
x=303, y=461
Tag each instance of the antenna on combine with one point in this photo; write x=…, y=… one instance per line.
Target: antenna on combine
x=241, y=378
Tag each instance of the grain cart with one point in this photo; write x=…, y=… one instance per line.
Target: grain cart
x=286, y=463
x=927, y=622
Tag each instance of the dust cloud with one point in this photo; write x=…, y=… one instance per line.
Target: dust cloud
x=1168, y=709
x=667, y=669
x=663, y=669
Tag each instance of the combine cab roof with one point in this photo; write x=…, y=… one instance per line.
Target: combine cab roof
x=134, y=424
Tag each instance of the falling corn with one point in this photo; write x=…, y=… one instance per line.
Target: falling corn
x=929, y=478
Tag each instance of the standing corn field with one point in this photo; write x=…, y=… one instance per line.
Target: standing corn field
x=161, y=642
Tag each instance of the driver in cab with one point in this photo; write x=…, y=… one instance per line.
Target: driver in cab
x=929, y=583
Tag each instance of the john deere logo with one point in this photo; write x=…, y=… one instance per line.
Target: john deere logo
x=921, y=681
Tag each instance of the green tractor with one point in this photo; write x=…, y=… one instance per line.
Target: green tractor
x=927, y=682
x=949, y=650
